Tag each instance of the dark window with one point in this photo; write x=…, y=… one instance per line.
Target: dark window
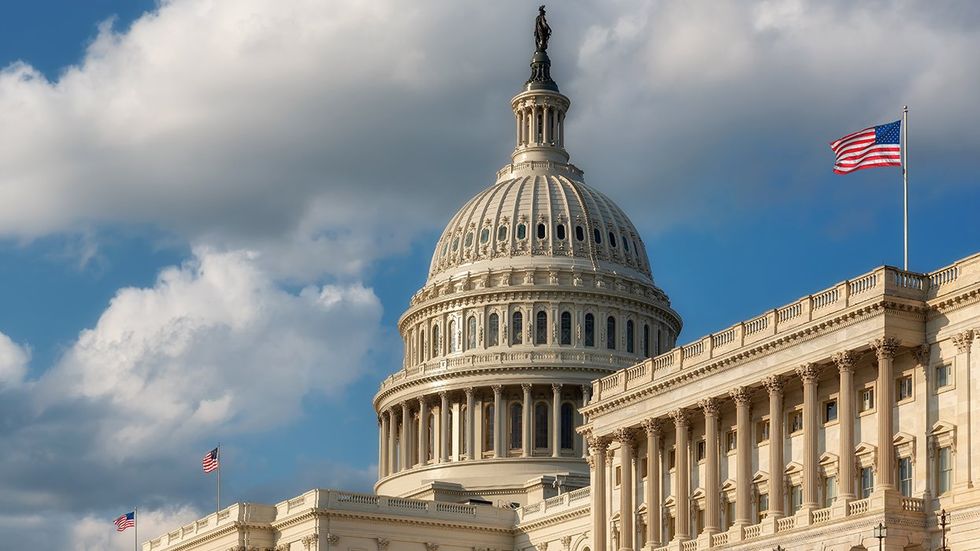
x=598, y=236
x=469, y=239
x=516, y=411
x=541, y=231
x=560, y=232
x=541, y=328
x=626, y=245
x=435, y=341
x=612, y=240
x=646, y=340
x=629, y=336
x=566, y=426
x=517, y=329
x=445, y=248
x=589, y=330
x=541, y=426
x=471, y=333
x=579, y=233
x=485, y=235
x=488, y=418
x=611, y=333
x=493, y=332
x=521, y=231
x=502, y=233
x=455, y=244
x=566, y=328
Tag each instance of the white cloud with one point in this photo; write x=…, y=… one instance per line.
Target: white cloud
x=13, y=362
x=96, y=533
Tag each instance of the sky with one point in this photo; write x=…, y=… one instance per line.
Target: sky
x=213, y=212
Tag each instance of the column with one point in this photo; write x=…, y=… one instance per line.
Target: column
x=526, y=421
x=530, y=125
x=498, y=402
x=682, y=482
x=885, y=348
x=845, y=415
x=586, y=397
x=470, y=406
x=808, y=374
x=626, y=445
x=743, y=456
x=444, y=429
x=712, y=488
x=597, y=464
x=774, y=384
x=385, y=431
x=423, y=431
x=962, y=477
x=517, y=120
x=652, y=496
x=555, y=420
x=561, y=129
x=392, y=442
x=406, y=424
x=923, y=478
x=546, y=124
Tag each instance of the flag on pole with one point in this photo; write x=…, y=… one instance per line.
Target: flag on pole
x=210, y=461
x=125, y=521
x=872, y=147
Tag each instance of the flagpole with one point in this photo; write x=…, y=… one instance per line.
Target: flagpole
x=136, y=527
x=905, y=177
x=219, y=479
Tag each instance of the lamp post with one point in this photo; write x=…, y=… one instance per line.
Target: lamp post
x=943, y=520
x=881, y=532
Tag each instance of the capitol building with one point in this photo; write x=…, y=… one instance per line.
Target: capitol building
x=544, y=403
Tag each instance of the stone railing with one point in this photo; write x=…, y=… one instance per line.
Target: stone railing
x=753, y=531
x=719, y=539
x=564, y=502
x=913, y=504
x=821, y=515
x=689, y=545
x=858, y=507
x=785, y=523
x=871, y=286
x=225, y=518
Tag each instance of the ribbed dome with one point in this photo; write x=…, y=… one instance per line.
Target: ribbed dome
x=544, y=218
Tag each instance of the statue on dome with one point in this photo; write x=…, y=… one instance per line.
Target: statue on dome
x=542, y=32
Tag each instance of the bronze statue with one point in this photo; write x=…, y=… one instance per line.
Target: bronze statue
x=542, y=32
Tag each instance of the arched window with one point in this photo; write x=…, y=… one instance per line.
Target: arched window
x=468, y=242
x=451, y=335
x=516, y=415
x=456, y=243
x=646, y=340
x=488, y=416
x=493, y=331
x=435, y=341
x=502, y=233
x=471, y=333
x=560, y=232
x=485, y=235
x=611, y=333
x=567, y=420
x=626, y=244
x=579, y=233
x=463, y=442
x=541, y=328
x=589, y=330
x=597, y=235
x=566, y=328
x=630, y=343
x=521, y=232
x=542, y=231
x=517, y=329
x=430, y=436
x=541, y=425
x=421, y=345
x=612, y=240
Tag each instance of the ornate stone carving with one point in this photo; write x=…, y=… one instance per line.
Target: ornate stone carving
x=556, y=388
x=885, y=347
x=333, y=539
x=310, y=541
x=382, y=543
x=681, y=417
x=653, y=426
x=625, y=437
x=709, y=406
x=497, y=389
x=845, y=360
x=922, y=354
x=808, y=372
x=774, y=384
x=741, y=395
x=566, y=542
x=526, y=387
x=541, y=546
x=429, y=546
x=282, y=547
x=963, y=341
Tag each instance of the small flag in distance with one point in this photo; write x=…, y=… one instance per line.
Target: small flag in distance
x=126, y=521
x=869, y=148
x=210, y=461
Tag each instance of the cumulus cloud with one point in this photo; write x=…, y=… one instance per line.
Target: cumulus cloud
x=13, y=361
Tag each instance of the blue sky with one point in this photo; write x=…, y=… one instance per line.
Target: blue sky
x=222, y=198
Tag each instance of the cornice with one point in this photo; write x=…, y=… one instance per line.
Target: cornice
x=570, y=514
x=214, y=534
x=416, y=521
x=964, y=298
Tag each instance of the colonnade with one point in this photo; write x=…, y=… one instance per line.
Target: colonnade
x=539, y=124
x=679, y=420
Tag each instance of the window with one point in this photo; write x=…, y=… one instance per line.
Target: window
x=488, y=415
x=905, y=476
x=435, y=341
x=455, y=244
x=463, y=442
x=579, y=233
x=903, y=388
x=502, y=233
x=762, y=504
x=517, y=328
x=611, y=333
x=485, y=235
x=451, y=335
x=942, y=375
x=729, y=514
x=643, y=467
x=493, y=331
x=646, y=340
x=629, y=336
x=762, y=431
x=541, y=425
x=795, y=421
x=829, y=490
x=731, y=442
x=829, y=411
x=445, y=248
x=521, y=232
x=471, y=333
x=671, y=458
x=699, y=450
x=567, y=429
x=589, y=330
x=566, y=328
x=469, y=239
x=795, y=498
x=612, y=240
x=516, y=413
x=867, y=482
x=542, y=231
x=867, y=399
x=944, y=470
x=560, y=232
x=626, y=244
x=541, y=328
x=619, y=475
x=598, y=236
x=422, y=345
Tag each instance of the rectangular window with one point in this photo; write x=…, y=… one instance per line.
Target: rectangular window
x=763, y=506
x=731, y=442
x=944, y=470
x=762, y=431
x=905, y=476
x=643, y=468
x=699, y=450
x=942, y=375
x=867, y=482
x=829, y=411
x=903, y=388
x=671, y=459
x=619, y=475
x=829, y=490
x=729, y=514
x=795, y=498
x=795, y=421
x=867, y=399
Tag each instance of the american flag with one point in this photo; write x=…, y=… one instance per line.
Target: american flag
x=125, y=521
x=210, y=461
x=872, y=147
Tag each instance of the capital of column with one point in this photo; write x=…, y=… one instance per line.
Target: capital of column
x=652, y=426
x=963, y=340
x=497, y=389
x=556, y=387
x=625, y=437
x=885, y=347
x=423, y=402
x=741, y=395
x=443, y=394
x=709, y=406
x=526, y=387
x=808, y=372
x=469, y=392
x=774, y=384
x=681, y=417
x=598, y=444
x=922, y=354
x=845, y=360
